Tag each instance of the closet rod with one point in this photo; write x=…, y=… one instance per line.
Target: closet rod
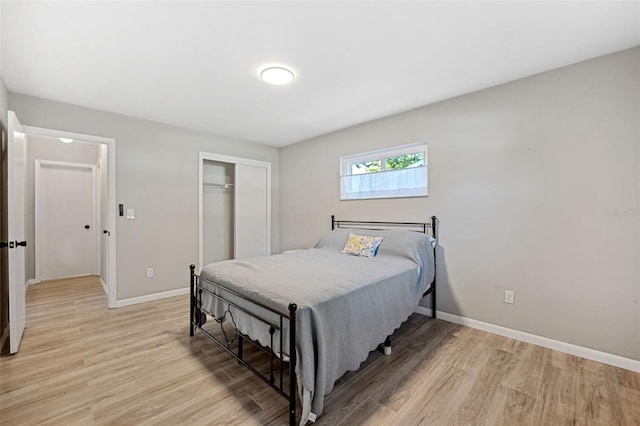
x=218, y=185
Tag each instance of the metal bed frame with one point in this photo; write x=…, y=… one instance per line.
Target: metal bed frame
x=198, y=316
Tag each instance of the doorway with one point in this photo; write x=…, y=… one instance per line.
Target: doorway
x=16, y=214
x=60, y=163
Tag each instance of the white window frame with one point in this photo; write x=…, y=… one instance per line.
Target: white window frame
x=381, y=185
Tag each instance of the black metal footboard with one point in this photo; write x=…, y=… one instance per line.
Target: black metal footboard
x=198, y=317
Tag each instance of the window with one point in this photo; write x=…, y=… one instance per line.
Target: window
x=389, y=173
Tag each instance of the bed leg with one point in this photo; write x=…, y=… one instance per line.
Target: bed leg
x=240, y=347
x=434, y=230
x=191, y=299
x=433, y=300
x=387, y=346
x=292, y=364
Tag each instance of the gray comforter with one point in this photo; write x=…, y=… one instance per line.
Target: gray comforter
x=347, y=305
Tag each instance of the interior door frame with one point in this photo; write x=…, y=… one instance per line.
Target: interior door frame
x=38, y=214
x=111, y=209
x=208, y=156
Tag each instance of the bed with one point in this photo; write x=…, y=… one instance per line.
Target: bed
x=317, y=313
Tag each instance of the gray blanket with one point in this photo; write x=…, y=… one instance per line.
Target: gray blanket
x=347, y=305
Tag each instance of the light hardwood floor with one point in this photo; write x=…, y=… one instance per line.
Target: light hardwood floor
x=80, y=363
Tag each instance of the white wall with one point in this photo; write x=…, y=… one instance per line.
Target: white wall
x=40, y=148
x=526, y=179
x=157, y=174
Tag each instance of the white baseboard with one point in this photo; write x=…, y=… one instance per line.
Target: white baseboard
x=104, y=287
x=33, y=281
x=569, y=348
x=151, y=297
x=423, y=310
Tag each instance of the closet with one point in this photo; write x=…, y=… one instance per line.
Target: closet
x=235, y=208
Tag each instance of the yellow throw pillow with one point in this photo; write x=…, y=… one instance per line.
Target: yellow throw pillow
x=362, y=245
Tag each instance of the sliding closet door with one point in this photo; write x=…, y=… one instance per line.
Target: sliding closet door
x=252, y=218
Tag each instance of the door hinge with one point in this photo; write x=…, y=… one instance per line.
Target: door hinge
x=21, y=243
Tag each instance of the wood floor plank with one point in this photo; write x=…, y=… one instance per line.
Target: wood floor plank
x=627, y=379
x=630, y=405
x=465, y=351
x=79, y=416
x=486, y=383
x=595, y=401
x=83, y=364
x=346, y=398
x=558, y=398
x=511, y=407
x=526, y=369
x=369, y=413
x=433, y=405
x=397, y=392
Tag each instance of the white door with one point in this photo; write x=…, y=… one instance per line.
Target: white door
x=252, y=207
x=65, y=219
x=15, y=183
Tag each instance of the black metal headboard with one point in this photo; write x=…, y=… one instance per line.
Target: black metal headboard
x=423, y=227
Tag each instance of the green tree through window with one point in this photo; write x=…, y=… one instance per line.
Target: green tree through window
x=403, y=161
x=391, y=163
x=368, y=167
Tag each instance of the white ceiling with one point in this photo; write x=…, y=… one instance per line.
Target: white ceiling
x=195, y=64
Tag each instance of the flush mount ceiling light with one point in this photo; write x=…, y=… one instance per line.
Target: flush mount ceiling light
x=66, y=140
x=277, y=75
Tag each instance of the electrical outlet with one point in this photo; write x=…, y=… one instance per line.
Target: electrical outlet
x=149, y=272
x=509, y=296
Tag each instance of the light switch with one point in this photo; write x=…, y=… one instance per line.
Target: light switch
x=131, y=213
